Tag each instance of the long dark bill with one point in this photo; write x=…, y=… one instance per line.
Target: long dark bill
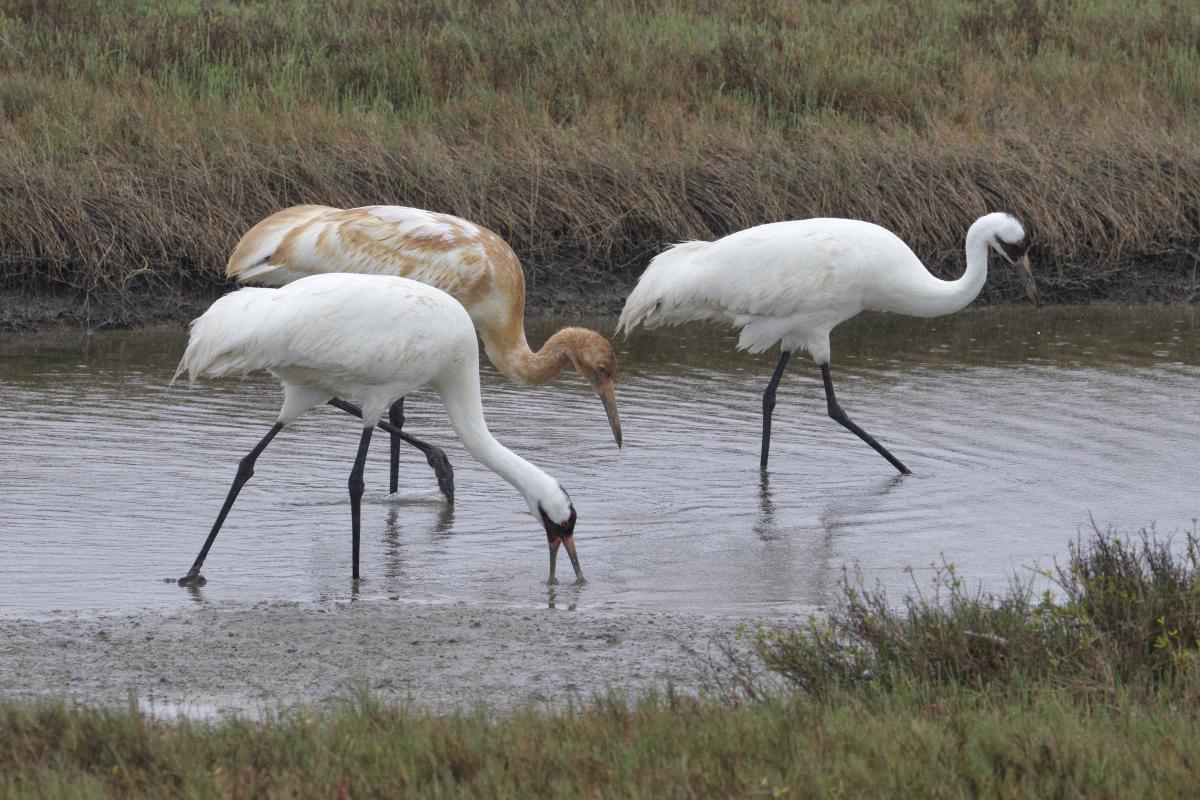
x=569, y=543
x=609, y=398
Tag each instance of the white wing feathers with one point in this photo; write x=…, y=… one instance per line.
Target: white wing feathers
x=220, y=340
x=348, y=330
x=665, y=294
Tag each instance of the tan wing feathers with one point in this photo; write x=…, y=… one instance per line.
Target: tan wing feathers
x=471, y=263
x=441, y=250
x=251, y=259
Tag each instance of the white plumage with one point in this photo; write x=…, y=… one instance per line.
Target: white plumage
x=375, y=339
x=474, y=265
x=792, y=282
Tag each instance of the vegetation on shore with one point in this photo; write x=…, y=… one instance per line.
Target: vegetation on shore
x=138, y=140
x=953, y=694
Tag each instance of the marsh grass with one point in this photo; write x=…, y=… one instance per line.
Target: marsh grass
x=1093, y=691
x=1118, y=613
x=1030, y=740
x=139, y=140
x=908, y=741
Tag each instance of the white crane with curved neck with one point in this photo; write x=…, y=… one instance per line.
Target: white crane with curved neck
x=373, y=338
x=793, y=282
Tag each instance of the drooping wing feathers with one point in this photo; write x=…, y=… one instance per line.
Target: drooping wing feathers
x=344, y=330
x=437, y=249
x=252, y=258
x=221, y=341
x=664, y=293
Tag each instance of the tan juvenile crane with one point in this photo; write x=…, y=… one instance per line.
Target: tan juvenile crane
x=470, y=262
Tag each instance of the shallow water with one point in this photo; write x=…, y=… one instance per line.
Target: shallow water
x=1020, y=427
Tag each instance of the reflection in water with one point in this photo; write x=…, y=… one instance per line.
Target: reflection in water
x=552, y=598
x=842, y=509
x=1016, y=424
x=764, y=526
x=393, y=563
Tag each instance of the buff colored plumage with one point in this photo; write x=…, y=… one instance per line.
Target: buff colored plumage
x=471, y=263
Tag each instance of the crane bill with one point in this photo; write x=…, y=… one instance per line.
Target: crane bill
x=569, y=543
x=1026, y=274
x=609, y=398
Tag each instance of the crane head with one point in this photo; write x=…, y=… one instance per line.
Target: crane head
x=561, y=534
x=1012, y=243
x=595, y=359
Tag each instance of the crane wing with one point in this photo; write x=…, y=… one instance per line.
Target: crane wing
x=436, y=249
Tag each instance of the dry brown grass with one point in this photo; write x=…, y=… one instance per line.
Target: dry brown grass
x=137, y=142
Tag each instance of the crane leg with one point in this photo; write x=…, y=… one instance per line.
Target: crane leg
x=396, y=417
x=769, y=407
x=356, y=487
x=433, y=454
x=244, y=473
x=836, y=412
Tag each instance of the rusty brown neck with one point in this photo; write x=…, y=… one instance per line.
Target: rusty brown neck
x=518, y=362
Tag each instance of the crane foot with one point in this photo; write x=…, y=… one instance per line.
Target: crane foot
x=441, y=468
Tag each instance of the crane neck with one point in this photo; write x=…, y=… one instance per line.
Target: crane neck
x=946, y=297
x=463, y=403
x=517, y=361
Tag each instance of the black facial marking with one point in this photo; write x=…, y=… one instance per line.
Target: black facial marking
x=553, y=529
x=1014, y=250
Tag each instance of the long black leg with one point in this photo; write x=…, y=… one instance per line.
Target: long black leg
x=244, y=473
x=838, y=414
x=356, y=492
x=433, y=454
x=769, y=407
x=396, y=417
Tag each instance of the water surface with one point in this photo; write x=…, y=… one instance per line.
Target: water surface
x=1019, y=425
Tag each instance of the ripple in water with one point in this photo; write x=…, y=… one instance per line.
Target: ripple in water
x=1019, y=427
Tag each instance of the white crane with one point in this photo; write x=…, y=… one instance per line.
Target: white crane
x=793, y=282
x=457, y=256
x=373, y=338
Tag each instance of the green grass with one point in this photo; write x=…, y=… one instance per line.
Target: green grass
x=138, y=140
x=951, y=694
x=1034, y=742
x=1119, y=613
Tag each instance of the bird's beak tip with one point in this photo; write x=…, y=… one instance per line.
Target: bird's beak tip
x=1026, y=273
x=609, y=398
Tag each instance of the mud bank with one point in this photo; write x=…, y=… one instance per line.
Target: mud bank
x=270, y=656
x=22, y=311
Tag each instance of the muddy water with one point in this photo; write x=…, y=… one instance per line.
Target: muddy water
x=1019, y=426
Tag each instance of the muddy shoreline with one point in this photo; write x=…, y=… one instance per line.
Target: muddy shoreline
x=31, y=312
x=273, y=656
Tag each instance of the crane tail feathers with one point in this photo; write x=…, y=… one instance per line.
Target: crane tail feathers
x=257, y=257
x=220, y=343
x=662, y=295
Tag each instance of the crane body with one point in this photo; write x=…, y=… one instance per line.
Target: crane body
x=374, y=339
x=793, y=282
x=471, y=263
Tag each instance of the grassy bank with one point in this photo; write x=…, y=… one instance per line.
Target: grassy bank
x=951, y=694
x=139, y=140
x=952, y=743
